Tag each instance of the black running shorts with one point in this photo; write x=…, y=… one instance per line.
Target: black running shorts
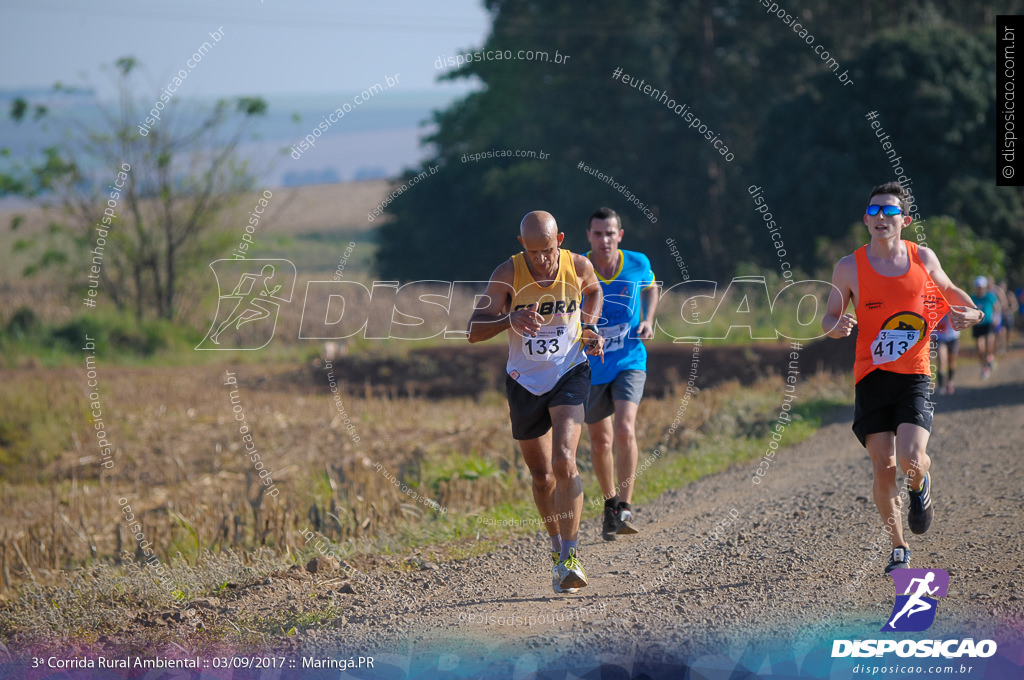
x=886, y=400
x=529, y=412
x=982, y=329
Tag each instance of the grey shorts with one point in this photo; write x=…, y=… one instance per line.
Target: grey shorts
x=627, y=386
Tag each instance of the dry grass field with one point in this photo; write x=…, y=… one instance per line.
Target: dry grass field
x=179, y=461
x=181, y=469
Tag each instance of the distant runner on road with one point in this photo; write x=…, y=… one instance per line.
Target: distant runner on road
x=549, y=300
x=617, y=382
x=985, y=333
x=899, y=293
x=947, y=346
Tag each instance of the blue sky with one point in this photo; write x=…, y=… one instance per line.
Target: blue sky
x=276, y=49
x=272, y=47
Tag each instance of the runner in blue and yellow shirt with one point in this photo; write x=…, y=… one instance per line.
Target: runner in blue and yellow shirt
x=617, y=383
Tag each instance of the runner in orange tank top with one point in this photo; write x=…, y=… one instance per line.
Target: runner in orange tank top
x=899, y=293
x=902, y=309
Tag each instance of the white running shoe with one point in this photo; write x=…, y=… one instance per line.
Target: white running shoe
x=570, y=573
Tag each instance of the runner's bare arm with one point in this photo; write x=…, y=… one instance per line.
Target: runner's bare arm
x=838, y=324
x=591, y=305
x=649, y=296
x=492, y=316
x=962, y=310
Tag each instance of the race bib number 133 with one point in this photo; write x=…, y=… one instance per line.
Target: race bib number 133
x=549, y=343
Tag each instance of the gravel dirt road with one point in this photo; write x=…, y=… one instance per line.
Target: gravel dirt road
x=725, y=569
x=725, y=575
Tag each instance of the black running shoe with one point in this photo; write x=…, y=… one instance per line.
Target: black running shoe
x=900, y=559
x=610, y=524
x=920, y=516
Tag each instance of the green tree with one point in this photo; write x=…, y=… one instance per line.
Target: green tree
x=930, y=89
x=795, y=130
x=576, y=111
x=166, y=184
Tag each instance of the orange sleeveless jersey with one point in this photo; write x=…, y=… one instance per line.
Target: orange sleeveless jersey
x=895, y=316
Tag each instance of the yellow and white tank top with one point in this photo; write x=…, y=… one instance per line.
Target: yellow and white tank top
x=538, y=362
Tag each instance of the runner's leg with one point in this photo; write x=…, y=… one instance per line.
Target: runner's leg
x=537, y=454
x=881, y=449
x=954, y=349
x=567, y=424
x=911, y=442
x=986, y=345
x=943, y=355
x=601, y=438
x=626, y=453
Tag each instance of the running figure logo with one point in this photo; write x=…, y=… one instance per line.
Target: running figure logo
x=253, y=303
x=915, y=604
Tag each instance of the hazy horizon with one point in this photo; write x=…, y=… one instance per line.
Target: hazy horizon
x=268, y=48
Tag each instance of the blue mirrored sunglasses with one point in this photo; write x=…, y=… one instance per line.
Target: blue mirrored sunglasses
x=888, y=210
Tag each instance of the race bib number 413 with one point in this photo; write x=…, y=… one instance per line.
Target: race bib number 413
x=891, y=345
